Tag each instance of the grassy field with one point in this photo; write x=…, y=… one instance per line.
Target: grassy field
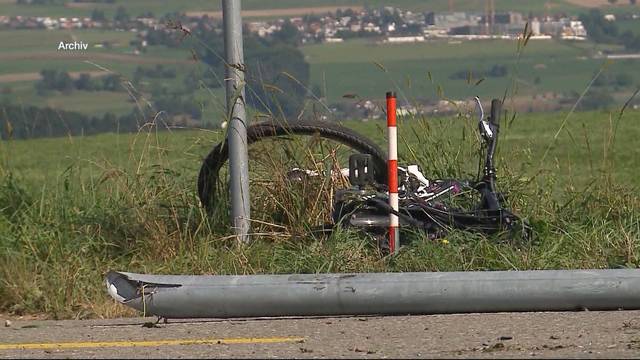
x=576, y=156
x=74, y=208
x=360, y=67
x=370, y=69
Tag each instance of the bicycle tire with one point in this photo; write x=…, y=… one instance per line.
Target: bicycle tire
x=209, y=171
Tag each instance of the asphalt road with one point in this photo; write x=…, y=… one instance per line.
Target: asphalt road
x=508, y=335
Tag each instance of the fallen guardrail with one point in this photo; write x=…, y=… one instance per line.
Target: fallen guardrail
x=213, y=296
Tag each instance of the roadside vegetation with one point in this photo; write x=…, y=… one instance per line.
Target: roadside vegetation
x=73, y=208
x=76, y=206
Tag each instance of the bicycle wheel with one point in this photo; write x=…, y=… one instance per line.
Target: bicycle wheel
x=294, y=170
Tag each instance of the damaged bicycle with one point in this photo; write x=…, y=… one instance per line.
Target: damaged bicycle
x=297, y=171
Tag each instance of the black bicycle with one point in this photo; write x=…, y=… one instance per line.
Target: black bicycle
x=324, y=175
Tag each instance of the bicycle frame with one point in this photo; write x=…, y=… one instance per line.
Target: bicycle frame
x=419, y=206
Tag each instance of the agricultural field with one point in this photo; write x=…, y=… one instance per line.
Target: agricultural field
x=362, y=67
x=368, y=69
x=28, y=52
x=575, y=156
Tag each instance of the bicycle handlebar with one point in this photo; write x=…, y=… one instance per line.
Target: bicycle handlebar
x=485, y=129
x=496, y=112
x=479, y=108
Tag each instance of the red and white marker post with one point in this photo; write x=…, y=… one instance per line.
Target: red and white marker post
x=392, y=167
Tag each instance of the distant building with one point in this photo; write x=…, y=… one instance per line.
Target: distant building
x=451, y=20
x=404, y=39
x=535, y=27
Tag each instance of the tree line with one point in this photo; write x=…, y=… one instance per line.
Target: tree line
x=601, y=30
x=277, y=75
x=27, y=122
x=60, y=80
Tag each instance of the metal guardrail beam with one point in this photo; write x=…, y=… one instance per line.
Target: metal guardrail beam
x=205, y=296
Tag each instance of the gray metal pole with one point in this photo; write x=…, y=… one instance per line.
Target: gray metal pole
x=237, y=127
x=206, y=296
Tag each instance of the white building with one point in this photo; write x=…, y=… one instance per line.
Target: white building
x=404, y=39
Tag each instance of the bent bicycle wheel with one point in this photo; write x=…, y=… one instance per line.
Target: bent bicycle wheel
x=295, y=169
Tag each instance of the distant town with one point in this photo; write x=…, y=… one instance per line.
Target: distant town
x=390, y=24
x=397, y=25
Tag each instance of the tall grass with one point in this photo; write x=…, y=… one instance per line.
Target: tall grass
x=57, y=240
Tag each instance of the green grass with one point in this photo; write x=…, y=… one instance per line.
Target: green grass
x=74, y=208
x=369, y=69
x=93, y=103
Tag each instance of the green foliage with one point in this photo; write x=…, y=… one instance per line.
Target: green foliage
x=25, y=122
x=596, y=99
x=121, y=15
x=178, y=104
x=495, y=71
x=288, y=34
x=60, y=80
x=603, y=31
x=630, y=40
x=158, y=71
x=278, y=77
x=54, y=80
x=599, y=29
x=276, y=72
x=98, y=15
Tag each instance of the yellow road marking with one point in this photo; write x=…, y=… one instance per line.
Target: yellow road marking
x=108, y=344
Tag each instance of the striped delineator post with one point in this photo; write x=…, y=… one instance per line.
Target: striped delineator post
x=392, y=168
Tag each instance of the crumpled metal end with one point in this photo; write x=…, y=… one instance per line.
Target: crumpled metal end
x=121, y=288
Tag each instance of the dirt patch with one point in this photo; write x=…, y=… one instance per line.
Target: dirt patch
x=277, y=12
x=32, y=76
